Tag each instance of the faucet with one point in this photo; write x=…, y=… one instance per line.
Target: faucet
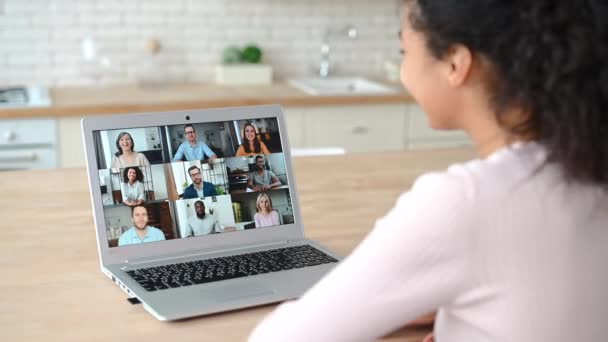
x=324, y=66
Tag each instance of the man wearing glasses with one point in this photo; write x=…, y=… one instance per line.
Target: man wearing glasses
x=198, y=188
x=192, y=149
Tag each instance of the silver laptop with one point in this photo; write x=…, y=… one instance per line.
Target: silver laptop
x=196, y=212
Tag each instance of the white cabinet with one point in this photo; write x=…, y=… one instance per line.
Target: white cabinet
x=71, y=150
x=367, y=128
x=28, y=144
x=355, y=128
x=294, y=118
x=420, y=135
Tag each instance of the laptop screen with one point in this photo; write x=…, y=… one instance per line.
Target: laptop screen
x=191, y=181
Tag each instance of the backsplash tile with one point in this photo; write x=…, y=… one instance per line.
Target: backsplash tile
x=40, y=40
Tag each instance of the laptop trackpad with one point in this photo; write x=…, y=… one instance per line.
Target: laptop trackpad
x=227, y=293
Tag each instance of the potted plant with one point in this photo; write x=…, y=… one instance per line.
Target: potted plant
x=243, y=66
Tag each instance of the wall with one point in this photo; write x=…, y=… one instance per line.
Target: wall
x=40, y=40
x=277, y=165
x=160, y=182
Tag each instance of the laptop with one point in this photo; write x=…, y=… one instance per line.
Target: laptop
x=196, y=212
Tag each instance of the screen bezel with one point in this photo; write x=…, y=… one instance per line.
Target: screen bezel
x=117, y=255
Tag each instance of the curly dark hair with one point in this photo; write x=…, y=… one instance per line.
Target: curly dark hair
x=257, y=148
x=548, y=57
x=139, y=176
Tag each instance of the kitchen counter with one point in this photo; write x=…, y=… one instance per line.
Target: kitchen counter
x=53, y=289
x=79, y=101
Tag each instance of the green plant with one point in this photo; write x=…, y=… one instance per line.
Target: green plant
x=220, y=190
x=231, y=54
x=250, y=54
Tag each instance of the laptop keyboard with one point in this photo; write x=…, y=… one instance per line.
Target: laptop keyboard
x=236, y=266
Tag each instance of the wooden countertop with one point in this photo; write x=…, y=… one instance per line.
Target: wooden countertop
x=79, y=101
x=52, y=288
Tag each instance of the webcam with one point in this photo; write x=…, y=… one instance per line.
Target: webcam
x=187, y=117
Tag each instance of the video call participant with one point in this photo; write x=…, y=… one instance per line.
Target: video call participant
x=251, y=145
x=132, y=187
x=265, y=216
x=191, y=149
x=126, y=155
x=201, y=223
x=140, y=232
x=262, y=179
x=199, y=188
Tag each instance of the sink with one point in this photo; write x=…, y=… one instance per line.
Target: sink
x=341, y=86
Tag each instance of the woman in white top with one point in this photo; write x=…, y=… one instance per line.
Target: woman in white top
x=126, y=155
x=132, y=186
x=511, y=246
x=265, y=216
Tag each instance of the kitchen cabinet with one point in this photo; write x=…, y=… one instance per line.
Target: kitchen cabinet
x=356, y=128
x=367, y=128
x=294, y=118
x=71, y=150
x=420, y=135
x=28, y=144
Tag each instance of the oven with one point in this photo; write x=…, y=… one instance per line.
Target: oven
x=237, y=181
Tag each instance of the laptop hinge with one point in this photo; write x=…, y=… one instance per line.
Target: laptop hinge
x=197, y=252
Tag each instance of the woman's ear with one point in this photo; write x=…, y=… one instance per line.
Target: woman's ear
x=459, y=61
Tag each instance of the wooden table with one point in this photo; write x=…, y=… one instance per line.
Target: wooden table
x=52, y=289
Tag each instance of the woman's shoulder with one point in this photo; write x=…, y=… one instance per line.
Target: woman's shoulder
x=487, y=178
x=499, y=171
x=264, y=148
x=455, y=179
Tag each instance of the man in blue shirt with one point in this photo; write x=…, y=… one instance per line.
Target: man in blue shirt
x=192, y=149
x=140, y=232
x=198, y=188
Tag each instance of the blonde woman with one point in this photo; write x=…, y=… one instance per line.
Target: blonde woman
x=265, y=216
x=251, y=146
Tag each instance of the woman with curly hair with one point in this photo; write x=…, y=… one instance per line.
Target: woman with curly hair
x=132, y=187
x=511, y=246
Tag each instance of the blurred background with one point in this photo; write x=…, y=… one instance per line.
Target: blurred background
x=333, y=65
x=42, y=41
